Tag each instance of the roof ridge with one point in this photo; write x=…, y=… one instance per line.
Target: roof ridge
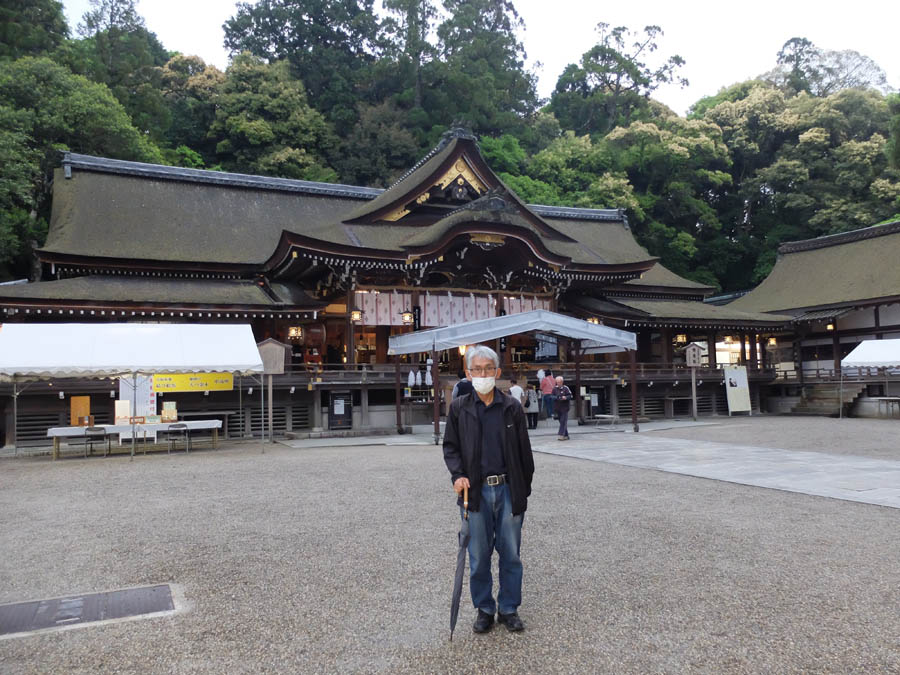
x=144, y=169
x=130, y=168
x=840, y=238
x=449, y=135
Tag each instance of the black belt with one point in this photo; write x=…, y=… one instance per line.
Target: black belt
x=499, y=479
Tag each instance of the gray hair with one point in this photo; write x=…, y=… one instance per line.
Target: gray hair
x=484, y=352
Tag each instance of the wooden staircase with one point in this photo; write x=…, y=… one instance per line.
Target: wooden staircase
x=824, y=399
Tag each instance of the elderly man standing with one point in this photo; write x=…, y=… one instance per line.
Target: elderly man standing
x=486, y=449
x=563, y=397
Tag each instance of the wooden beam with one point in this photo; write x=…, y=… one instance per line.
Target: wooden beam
x=633, y=367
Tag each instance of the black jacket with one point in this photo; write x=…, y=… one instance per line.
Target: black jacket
x=462, y=449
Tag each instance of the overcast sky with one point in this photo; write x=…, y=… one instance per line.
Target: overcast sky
x=721, y=42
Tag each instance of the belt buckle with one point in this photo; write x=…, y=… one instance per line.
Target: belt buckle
x=493, y=480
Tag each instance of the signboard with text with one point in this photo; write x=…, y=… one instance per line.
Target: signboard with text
x=173, y=382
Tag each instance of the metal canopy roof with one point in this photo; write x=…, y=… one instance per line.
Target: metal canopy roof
x=48, y=350
x=598, y=338
x=874, y=353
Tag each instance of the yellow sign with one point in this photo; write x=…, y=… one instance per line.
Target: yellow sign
x=193, y=382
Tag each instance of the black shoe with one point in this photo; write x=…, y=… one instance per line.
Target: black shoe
x=483, y=622
x=512, y=622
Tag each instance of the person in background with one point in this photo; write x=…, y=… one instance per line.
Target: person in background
x=516, y=391
x=547, y=385
x=563, y=396
x=461, y=388
x=532, y=403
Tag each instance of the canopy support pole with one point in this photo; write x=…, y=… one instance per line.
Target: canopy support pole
x=436, y=383
x=271, y=416
x=15, y=424
x=133, y=413
x=579, y=404
x=633, y=367
x=398, y=394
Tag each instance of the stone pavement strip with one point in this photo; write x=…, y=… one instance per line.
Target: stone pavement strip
x=858, y=479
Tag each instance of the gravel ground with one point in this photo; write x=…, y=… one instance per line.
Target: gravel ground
x=341, y=560
x=876, y=438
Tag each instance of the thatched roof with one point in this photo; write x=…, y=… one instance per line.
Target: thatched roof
x=838, y=270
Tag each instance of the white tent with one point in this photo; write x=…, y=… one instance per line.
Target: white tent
x=45, y=350
x=870, y=354
x=874, y=354
x=596, y=338
x=40, y=351
x=600, y=338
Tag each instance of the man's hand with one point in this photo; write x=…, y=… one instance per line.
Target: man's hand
x=460, y=483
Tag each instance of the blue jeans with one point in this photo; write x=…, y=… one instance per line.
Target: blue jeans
x=495, y=527
x=563, y=422
x=549, y=400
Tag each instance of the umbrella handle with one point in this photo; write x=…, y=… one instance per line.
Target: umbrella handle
x=466, y=501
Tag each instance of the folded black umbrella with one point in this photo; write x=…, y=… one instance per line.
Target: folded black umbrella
x=460, y=563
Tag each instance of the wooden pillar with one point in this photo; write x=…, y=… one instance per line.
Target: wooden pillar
x=414, y=302
x=878, y=335
x=754, y=357
x=317, y=410
x=836, y=347
x=633, y=359
x=666, y=337
x=364, y=407
x=743, y=355
x=711, y=350
x=578, y=401
x=351, y=347
x=763, y=351
x=382, y=338
x=645, y=345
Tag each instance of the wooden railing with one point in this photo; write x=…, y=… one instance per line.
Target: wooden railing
x=863, y=374
x=365, y=372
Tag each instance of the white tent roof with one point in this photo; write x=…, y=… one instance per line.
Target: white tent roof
x=598, y=338
x=875, y=353
x=44, y=350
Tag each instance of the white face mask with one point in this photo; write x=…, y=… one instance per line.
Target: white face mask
x=483, y=385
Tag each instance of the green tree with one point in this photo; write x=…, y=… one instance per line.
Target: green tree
x=378, y=149
x=46, y=109
x=327, y=42
x=190, y=89
x=802, y=166
x=803, y=67
x=893, y=147
x=31, y=27
x=612, y=84
x=265, y=125
x=407, y=29
x=122, y=54
x=480, y=75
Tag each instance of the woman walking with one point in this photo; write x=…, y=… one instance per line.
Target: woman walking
x=531, y=406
